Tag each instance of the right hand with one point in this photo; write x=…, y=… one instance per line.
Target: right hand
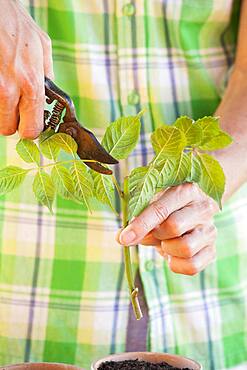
x=25, y=58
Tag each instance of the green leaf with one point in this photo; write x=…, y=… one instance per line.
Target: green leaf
x=168, y=142
x=28, y=151
x=46, y=134
x=195, y=173
x=104, y=189
x=65, y=142
x=219, y=141
x=166, y=173
x=182, y=169
x=10, y=178
x=121, y=136
x=212, y=180
x=175, y=171
x=51, y=146
x=142, y=186
x=83, y=182
x=43, y=189
x=210, y=127
x=192, y=131
x=63, y=181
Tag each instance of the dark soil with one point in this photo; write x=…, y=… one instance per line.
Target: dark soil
x=137, y=365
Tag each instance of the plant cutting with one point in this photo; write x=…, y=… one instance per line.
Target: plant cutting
x=180, y=155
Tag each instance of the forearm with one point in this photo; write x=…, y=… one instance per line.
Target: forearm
x=233, y=116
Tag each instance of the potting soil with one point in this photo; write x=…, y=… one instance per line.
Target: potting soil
x=137, y=365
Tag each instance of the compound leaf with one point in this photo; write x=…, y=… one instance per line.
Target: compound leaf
x=192, y=131
x=212, y=180
x=210, y=127
x=104, y=189
x=46, y=134
x=195, y=173
x=142, y=186
x=181, y=169
x=43, y=189
x=121, y=136
x=51, y=146
x=28, y=151
x=168, y=142
x=83, y=182
x=219, y=141
x=63, y=181
x=65, y=142
x=10, y=178
x=166, y=173
x=175, y=171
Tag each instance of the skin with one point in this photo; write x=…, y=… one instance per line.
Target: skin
x=25, y=57
x=179, y=221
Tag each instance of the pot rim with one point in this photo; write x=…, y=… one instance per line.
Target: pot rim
x=37, y=365
x=166, y=357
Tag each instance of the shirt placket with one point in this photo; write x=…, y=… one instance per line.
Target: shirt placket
x=127, y=70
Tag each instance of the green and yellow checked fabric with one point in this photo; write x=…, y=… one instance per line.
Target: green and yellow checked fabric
x=63, y=295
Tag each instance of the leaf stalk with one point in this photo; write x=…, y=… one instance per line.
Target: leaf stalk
x=61, y=162
x=115, y=182
x=127, y=259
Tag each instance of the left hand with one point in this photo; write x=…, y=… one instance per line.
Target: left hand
x=179, y=223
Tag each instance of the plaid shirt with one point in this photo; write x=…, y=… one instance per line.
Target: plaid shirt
x=63, y=295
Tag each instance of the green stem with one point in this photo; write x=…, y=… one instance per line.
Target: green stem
x=127, y=259
x=115, y=182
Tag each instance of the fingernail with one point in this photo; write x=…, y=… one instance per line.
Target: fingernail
x=127, y=236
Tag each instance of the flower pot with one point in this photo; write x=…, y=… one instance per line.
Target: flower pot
x=174, y=360
x=40, y=366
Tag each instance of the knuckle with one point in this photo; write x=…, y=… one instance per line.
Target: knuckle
x=173, y=268
x=173, y=226
x=194, y=189
x=204, y=209
x=143, y=224
x=213, y=206
x=7, y=131
x=31, y=133
x=193, y=268
x=7, y=90
x=209, y=207
x=186, y=249
x=32, y=85
x=159, y=250
x=179, y=190
x=160, y=211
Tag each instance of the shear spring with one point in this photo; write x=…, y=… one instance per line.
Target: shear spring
x=56, y=115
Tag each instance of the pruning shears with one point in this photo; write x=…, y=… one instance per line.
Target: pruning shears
x=88, y=145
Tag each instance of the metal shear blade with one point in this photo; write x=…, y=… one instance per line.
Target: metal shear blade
x=88, y=145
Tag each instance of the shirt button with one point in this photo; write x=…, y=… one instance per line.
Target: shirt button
x=133, y=98
x=149, y=265
x=129, y=9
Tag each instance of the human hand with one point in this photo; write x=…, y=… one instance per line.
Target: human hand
x=25, y=57
x=179, y=223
